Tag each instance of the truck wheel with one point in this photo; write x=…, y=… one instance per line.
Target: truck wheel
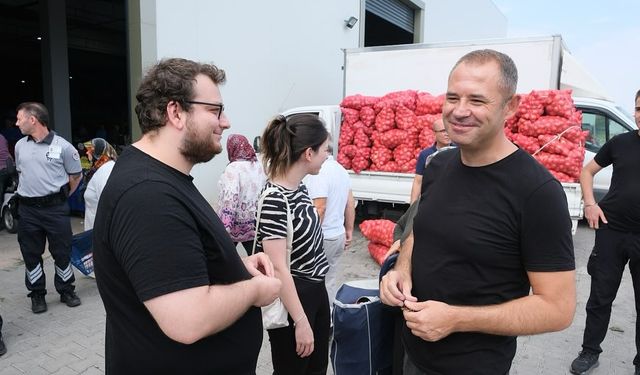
x=9, y=222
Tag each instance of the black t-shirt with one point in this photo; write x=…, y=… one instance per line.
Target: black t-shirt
x=155, y=234
x=477, y=232
x=621, y=205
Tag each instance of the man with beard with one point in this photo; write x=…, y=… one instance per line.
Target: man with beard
x=498, y=261
x=178, y=297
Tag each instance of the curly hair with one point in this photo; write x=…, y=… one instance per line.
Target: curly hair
x=170, y=80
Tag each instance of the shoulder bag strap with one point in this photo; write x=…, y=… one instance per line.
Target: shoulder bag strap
x=289, y=245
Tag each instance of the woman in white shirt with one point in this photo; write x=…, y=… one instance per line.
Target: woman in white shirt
x=238, y=190
x=102, y=156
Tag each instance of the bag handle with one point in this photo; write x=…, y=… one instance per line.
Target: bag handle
x=289, y=245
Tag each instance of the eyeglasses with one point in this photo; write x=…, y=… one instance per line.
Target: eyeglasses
x=220, y=106
x=440, y=131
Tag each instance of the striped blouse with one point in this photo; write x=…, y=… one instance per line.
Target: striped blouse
x=308, y=260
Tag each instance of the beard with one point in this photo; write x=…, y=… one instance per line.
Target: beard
x=197, y=148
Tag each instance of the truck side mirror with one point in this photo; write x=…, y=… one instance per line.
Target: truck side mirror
x=256, y=144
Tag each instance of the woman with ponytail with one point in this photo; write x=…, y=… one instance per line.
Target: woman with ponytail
x=291, y=149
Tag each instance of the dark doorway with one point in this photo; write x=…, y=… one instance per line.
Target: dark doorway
x=97, y=55
x=380, y=32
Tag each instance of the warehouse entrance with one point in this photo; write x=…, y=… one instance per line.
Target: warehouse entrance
x=72, y=56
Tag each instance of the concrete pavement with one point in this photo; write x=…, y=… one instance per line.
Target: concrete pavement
x=71, y=340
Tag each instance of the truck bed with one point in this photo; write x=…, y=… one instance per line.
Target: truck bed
x=389, y=187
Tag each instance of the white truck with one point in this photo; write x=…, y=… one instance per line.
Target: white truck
x=543, y=63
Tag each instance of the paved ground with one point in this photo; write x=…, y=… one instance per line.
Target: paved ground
x=71, y=341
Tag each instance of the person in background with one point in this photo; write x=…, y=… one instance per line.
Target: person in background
x=238, y=191
x=102, y=157
x=616, y=219
x=49, y=172
x=442, y=140
x=3, y=347
x=490, y=256
x=11, y=132
x=4, y=156
x=178, y=297
x=330, y=191
x=291, y=149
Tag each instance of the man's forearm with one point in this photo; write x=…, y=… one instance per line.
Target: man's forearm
x=189, y=315
x=586, y=184
x=415, y=188
x=349, y=213
x=403, y=264
x=74, y=181
x=523, y=316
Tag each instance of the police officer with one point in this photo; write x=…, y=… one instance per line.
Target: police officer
x=50, y=171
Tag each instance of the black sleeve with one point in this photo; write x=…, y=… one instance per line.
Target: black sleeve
x=404, y=225
x=157, y=242
x=547, y=243
x=604, y=157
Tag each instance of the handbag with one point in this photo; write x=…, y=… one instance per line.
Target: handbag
x=362, y=331
x=275, y=315
x=82, y=252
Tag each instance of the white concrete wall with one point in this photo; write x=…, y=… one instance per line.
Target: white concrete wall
x=286, y=53
x=451, y=20
x=277, y=55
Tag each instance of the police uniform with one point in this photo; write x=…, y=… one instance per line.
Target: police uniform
x=43, y=208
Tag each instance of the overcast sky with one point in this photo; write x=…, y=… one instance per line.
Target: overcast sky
x=603, y=35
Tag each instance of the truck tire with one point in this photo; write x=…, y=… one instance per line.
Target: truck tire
x=8, y=221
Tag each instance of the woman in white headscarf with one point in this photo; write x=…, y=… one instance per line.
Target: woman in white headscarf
x=102, y=157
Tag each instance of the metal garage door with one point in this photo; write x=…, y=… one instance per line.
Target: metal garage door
x=393, y=11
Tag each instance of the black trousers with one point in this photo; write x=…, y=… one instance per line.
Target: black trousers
x=52, y=224
x=315, y=302
x=611, y=253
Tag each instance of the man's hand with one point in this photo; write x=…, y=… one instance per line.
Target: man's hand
x=268, y=289
x=430, y=320
x=348, y=236
x=259, y=264
x=593, y=214
x=395, y=288
x=395, y=247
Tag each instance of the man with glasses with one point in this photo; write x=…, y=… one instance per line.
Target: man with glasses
x=442, y=140
x=178, y=297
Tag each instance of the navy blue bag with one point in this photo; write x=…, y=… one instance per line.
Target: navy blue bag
x=82, y=252
x=362, y=331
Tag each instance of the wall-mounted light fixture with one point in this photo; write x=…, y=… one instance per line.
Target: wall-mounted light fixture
x=351, y=22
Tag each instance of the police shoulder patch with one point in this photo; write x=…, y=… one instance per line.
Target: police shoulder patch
x=76, y=156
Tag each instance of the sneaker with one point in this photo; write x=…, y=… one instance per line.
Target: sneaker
x=70, y=298
x=3, y=347
x=585, y=362
x=38, y=304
